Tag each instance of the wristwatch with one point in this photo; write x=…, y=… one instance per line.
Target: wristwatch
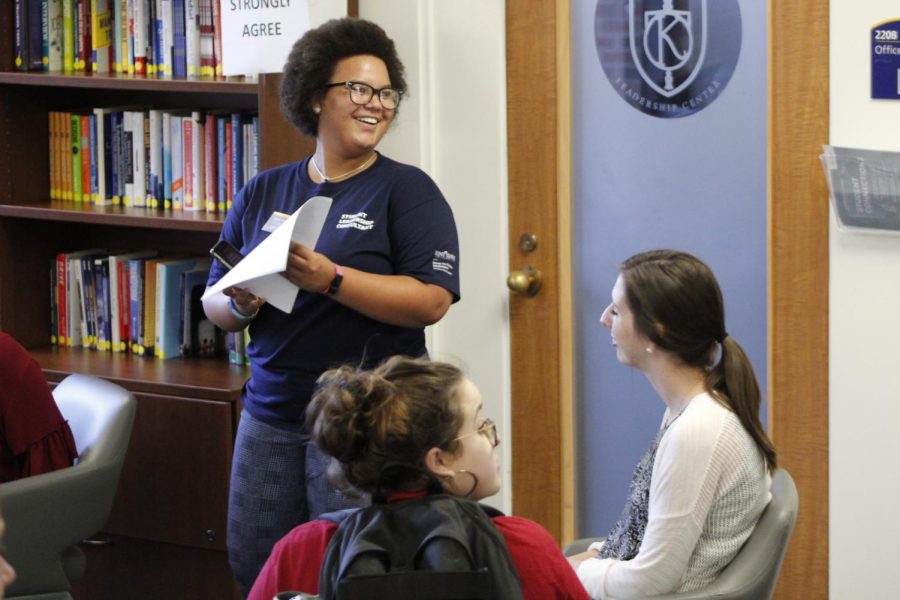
x=332, y=288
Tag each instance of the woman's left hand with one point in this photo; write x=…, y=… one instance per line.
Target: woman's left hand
x=309, y=270
x=576, y=559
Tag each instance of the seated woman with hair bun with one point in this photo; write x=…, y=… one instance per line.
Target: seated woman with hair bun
x=428, y=416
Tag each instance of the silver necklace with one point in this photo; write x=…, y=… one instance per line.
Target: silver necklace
x=325, y=178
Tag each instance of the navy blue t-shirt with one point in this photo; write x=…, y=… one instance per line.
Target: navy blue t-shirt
x=391, y=219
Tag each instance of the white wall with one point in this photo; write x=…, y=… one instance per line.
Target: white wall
x=864, y=321
x=453, y=125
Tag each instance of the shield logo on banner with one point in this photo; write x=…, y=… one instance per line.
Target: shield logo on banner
x=668, y=45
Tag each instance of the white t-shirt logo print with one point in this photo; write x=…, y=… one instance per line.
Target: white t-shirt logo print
x=356, y=221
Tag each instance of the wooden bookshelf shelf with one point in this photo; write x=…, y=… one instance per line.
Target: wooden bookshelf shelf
x=55, y=210
x=123, y=82
x=170, y=511
x=208, y=378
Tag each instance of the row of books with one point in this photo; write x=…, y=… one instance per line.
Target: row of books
x=132, y=302
x=179, y=39
x=132, y=156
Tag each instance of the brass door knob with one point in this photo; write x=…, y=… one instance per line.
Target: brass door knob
x=527, y=281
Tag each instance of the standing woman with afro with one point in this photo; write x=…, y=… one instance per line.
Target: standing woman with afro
x=386, y=265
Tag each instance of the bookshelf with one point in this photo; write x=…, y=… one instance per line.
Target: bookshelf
x=166, y=534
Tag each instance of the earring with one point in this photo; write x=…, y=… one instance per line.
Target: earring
x=649, y=349
x=317, y=109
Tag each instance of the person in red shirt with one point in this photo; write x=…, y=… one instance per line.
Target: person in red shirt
x=426, y=415
x=34, y=437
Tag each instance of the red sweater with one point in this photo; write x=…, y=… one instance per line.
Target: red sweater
x=544, y=572
x=34, y=437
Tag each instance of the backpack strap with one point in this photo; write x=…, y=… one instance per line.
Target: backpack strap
x=337, y=516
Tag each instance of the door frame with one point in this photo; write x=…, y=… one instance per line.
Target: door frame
x=539, y=147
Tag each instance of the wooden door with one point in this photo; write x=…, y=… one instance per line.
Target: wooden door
x=537, y=49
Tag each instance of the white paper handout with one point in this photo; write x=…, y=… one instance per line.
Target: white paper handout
x=259, y=271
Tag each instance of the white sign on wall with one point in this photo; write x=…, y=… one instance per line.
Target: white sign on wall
x=257, y=35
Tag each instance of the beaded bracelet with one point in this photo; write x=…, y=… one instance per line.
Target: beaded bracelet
x=238, y=314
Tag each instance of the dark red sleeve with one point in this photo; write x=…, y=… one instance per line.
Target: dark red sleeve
x=35, y=437
x=295, y=561
x=543, y=570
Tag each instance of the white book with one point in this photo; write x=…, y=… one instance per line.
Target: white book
x=101, y=36
x=55, y=35
x=154, y=191
x=138, y=160
x=177, y=162
x=192, y=37
x=198, y=158
x=140, y=28
x=168, y=37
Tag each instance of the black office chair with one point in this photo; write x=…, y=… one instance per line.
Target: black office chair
x=47, y=515
x=753, y=572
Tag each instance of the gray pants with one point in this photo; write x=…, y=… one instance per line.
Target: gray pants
x=278, y=481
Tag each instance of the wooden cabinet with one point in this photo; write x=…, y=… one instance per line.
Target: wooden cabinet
x=168, y=523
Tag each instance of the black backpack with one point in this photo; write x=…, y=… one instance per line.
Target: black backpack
x=437, y=547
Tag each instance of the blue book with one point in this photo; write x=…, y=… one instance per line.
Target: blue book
x=179, y=42
x=101, y=287
x=115, y=132
x=108, y=155
x=167, y=160
x=136, y=302
x=222, y=169
x=34, y=35
x=21, y=34
x=92, y=140
x=237, y=153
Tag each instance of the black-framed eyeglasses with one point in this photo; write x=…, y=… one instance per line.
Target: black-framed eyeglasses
x=488, y=429
x=361, y=93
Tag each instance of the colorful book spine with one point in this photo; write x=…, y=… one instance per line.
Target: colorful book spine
x=55, y=35
x=136, y=302
x=75, y=144
x=237, y=152
x=177, y=123
x=85, y=158
x=155, y=159
x=210, y=162
x=192, y=37
x=198, y=162
x=188, y=157
x=179, y=49
x=20, y=17
x=68, y=11
x=93, y=158
x=166, y=189
x=101, y=37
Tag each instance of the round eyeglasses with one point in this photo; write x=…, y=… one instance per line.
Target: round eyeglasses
x=361, y=93
x=488, y=429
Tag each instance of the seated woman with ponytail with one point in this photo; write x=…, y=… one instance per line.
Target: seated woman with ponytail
x=427, y=418
x=700, y=488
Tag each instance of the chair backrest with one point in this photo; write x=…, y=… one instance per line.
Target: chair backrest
x=48, y=513
x=753, y=572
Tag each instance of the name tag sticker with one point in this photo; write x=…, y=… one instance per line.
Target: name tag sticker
x=275, y=221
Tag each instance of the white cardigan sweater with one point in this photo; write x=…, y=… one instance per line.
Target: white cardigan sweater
x=708, y=488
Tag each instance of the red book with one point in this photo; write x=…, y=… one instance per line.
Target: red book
x=62, y=323
x=229, y=187
x=211, y=158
